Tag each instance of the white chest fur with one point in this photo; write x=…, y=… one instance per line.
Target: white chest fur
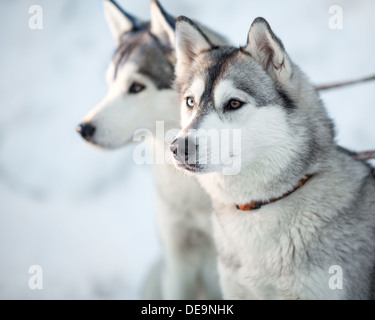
x=264, y=254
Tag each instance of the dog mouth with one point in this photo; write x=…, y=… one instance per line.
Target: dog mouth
x=193, y=168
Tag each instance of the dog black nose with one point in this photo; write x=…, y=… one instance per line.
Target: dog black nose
x=181, y=148
x=173, y=148
x=86, y=130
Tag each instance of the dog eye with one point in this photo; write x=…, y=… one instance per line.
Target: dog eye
x=190, y=102
x=136, y=87
x=234, y=104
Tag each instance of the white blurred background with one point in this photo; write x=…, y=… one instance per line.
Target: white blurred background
x=86, y=216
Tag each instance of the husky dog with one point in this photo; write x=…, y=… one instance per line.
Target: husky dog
x=298, y=220
x=140, y=78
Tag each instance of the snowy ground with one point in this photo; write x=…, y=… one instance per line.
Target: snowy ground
x=86, y=217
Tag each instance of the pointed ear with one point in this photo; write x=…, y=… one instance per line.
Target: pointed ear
x=119, y=21
x=162, y=24
x=190, y=42
x=267, y=49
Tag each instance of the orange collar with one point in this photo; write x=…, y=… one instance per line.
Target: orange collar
x=257, y=204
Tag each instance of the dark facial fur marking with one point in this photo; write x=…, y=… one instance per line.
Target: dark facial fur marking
x=220, y=60
x=214, y=71
x=149, y=53
x=286, y=101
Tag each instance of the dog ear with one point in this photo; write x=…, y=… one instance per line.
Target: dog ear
x=119, y=21
x=267, y=49
x=163, y=25
x=190, y=41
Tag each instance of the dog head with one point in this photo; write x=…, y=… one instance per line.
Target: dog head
x=139, y=78
x=254, y=90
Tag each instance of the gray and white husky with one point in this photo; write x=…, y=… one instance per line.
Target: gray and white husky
x=298, y=220
x=140, y=78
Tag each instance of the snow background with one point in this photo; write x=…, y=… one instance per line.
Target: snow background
x=85, y=216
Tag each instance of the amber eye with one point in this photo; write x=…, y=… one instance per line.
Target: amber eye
x=136, y=87
x=190, y=102
x=234, y=104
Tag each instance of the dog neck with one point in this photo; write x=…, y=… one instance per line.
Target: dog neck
x=258, y=181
